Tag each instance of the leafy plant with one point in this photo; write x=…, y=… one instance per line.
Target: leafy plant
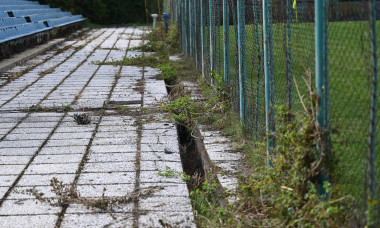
x=183, y=111
x=168, y=72
x=172, y=173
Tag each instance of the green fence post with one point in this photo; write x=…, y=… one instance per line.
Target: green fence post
x=186, y=15
x=289, y=68
x=226, y=32
x=184, y=25
x=211, y=28
x=322, y=80
x=195, y=34
x=190, y=7
x=268, y=75
x=202, y=39
x=372, y=127
x=242, y=62
x=183, y=6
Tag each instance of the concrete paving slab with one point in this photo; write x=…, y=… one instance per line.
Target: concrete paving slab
x=58, y=159
x=99, y=149
x=115, y=208
x=97, y=220
x=155, y=165
x=155, y=177
x=51, y=169
x=20, y=143
x=18, y=151
x=109, y=190
x=44, y=180
x=27, y=207
x=11, y=169
x=17, y=137
x=7, y=180
x=113, y=157
x=62, y=150
x=116, y=155
x=160, y=219
x=110, y=167
x=168, y=189
x=28, y=221
x=25, y=192
x=3, y=190
x=107, y=178
x=14, y=160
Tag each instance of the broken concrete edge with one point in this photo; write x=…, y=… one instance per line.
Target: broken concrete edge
x=20, y=58
x=208, y=166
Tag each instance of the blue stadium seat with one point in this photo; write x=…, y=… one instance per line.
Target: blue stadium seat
x=18, y=2
x=58, y=22
x=11, y=21
x=26, y=23
x=19, y=31
x=3, y=14
x=44, y=17
x=22, y=7
x=21, y=13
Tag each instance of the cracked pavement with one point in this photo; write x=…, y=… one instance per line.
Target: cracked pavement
x=119, y=153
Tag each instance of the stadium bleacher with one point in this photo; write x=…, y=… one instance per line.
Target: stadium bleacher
x=26, y=23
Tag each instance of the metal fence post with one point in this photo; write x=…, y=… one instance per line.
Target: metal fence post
x=202, y=39
x=242, y=62
x=190, y=13
x=289, y=68
x=372, y=127
x=187, y=30
x=195, y=34
x=268, y=75
x=322, y=79
x=182, y=27
x=226, y=32
x=211, y=28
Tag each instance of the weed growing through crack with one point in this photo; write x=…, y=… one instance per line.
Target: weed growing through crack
x=183, y=111
x=47, y=71
x=172, y=173
x=66, y=194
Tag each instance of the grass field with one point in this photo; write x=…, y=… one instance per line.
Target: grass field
x=349, y=81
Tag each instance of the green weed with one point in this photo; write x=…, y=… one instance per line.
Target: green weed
x=172, y=173
x=183, y=111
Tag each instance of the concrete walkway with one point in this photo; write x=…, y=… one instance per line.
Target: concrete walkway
x=109, y=169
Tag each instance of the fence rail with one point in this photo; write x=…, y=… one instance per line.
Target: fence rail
x=266, y=49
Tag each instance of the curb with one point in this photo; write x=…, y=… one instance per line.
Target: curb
x=207, y=164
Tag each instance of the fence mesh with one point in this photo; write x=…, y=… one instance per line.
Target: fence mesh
x=214, y=45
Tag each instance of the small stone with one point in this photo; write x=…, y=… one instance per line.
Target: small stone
x=168, y=151
x=82, y=119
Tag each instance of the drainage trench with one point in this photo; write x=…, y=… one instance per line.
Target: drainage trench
x=191, y=157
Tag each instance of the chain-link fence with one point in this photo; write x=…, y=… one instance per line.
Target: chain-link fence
x=267, y=49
